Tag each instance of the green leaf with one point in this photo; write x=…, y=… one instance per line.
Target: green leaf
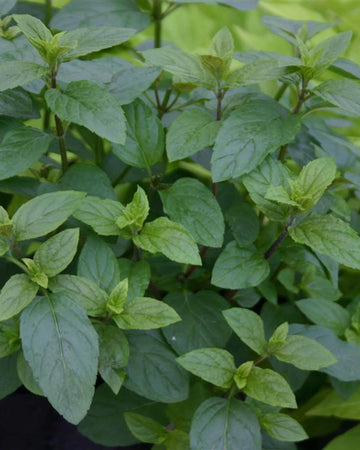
x=111, y=13
x=87, y=104
x=278, y=338
x=117, y=298
x=325, y=313
x=35, y=273
x=248, y=326
x=329, y=236
x=144, y=313
x=4, y=245
x=15, y=295
x=333, y=405
x=18, y=73
x=114, y=356
x=280, y=195
x=6, y=6
x=239, y=267
x=175, y=440
x=145, y=429
x=191, y=204
x=257, y=72
x=304, y=353
x=347, y=354
x=34, y=30
x=9, y=380
x=44, y=214
x=270, y=173
x=80, y=177
x=342, y=93
x=186, y=67
x=346, y=441
x=54, y=255
x=81, y=291
x=98, y=263
x=105, y=423
x=313, y=181
x=138, y=275
x=61, y=347
x=169, y=238
x=248, y=135
x=20, y=148
x=211, y=364
x=225, y=425
x=100, y=214
x=190, y=132
x=222, y=45
x=18, y=103
x=135, y=212
x=328, y=51
x=144, y=144
x=269, y=387
x=88, y=40
x=282, y=427
x=26, y=375
x=152, y=369
x=243, y=222
x=201, y=325
x=131, y=82
x=9, y=337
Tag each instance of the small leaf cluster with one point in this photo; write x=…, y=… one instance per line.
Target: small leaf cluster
x=179, y=231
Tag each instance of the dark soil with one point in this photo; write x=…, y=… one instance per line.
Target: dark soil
x=28, y=422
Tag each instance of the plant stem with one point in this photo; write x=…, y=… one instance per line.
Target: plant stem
x=48, y=12
x=280, y=92
x=296, y=110
x=121, y=175
x=46, y=119
x=60, y=131
x=157, y=22
x=271, y=250
x=17, y=263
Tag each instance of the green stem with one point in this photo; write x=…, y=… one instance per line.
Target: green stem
x=17, y=263
x=60, y=131
x=157, y=22
x=48, y=12
x=280, y=92
x=121, y=175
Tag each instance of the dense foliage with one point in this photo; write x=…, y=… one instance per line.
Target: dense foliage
x=179, y=240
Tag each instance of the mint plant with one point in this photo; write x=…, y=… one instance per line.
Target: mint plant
x=178, y=239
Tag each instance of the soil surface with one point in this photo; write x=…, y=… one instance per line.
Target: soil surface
x=28, y=422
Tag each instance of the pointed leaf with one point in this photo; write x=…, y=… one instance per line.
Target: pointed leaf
x=18, y=73
x=239, y=267
x=225, y=425
x=15, y=295
x=190, y=203
x=20, y=148
x=211, y=364
x=170, y=238
x=45, y=213
x=81, y=291
x=330, y=236
x=144, y=313
x=54, y=255
x=269, y=387
x=61, y=347
x=87, y=104
x=190, y=132
x=248, y=135
x=248, y=326
x=144, y=144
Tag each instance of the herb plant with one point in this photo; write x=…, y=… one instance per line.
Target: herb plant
x=179, y=243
